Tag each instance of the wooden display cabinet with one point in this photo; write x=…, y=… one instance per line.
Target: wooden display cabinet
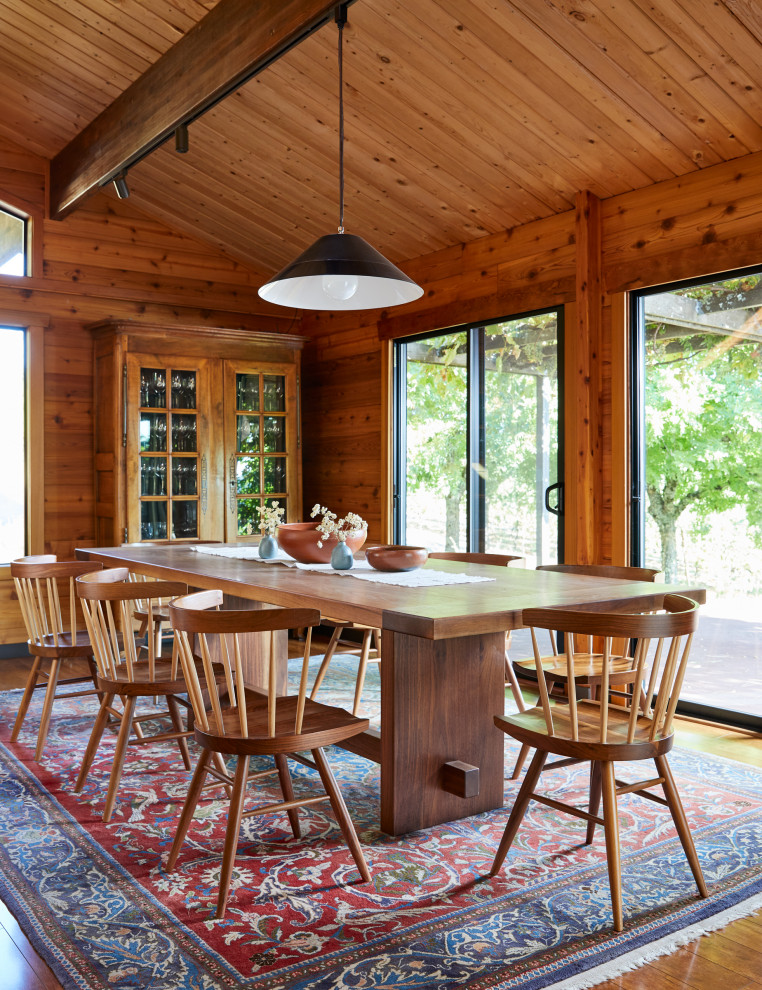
x=195, y=427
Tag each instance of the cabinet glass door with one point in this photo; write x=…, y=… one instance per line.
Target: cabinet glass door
x=170, y=463
x=260, y=427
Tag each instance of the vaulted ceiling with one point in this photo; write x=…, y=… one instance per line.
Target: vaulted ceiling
x=463, y=117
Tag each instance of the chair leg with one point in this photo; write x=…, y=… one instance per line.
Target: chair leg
x=519, y=809
x=231, y=834
x=189, y=808
x=94, y=741
x=520, y=761
x=611, y=828
x=681, y=822
x=288, y=793
x=47, y=707
x=31, y=681
x=513, y=683
x=119, y=754
x=342, y=815
x=332, y=644
x=360, y=682
x=594, y=803
x=177, y=722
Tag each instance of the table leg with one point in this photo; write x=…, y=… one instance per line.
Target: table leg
x=438, y=699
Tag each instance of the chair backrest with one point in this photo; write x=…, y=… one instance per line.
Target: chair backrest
x=605, y=570
x=42, y=582
x=198, y=615
x=496, y=559
x=109, y=601
x=599, y=570
x=659, y=644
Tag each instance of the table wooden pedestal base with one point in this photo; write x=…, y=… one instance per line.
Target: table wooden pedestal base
x=438, y=699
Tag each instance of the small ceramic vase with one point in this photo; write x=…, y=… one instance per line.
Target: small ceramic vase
x=268, y=547
x=341, y=557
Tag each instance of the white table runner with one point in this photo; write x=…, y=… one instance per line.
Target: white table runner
x=420, y=578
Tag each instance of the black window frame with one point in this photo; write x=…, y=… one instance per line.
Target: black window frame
x=475, y=424
x=710, y=713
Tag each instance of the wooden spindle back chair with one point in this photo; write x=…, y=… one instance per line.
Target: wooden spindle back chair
x=587, y=657
x=109, y=600
x=239, y=721
x=640, y=727
x=55, y=631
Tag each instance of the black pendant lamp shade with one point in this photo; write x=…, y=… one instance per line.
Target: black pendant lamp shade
x=340, y=271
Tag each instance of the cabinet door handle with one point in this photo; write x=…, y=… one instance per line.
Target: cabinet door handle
x=204, y=490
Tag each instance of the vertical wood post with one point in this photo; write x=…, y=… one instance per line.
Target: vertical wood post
x=583, y=452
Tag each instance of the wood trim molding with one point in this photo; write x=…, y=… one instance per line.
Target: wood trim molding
x=227, y=47
x=495, y=306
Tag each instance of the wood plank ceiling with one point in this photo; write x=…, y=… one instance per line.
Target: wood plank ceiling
x=463, y=117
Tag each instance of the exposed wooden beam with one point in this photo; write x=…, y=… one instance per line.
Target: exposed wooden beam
x=231, y=44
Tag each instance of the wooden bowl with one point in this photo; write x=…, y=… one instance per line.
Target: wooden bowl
x=396, y=558
x=300, y=541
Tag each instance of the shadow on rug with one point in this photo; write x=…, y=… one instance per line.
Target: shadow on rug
x=96, y=902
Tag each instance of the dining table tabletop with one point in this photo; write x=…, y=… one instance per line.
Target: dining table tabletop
x=443, y=650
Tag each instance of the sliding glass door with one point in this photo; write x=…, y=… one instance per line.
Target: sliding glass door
x=698, y=474
x=477, y=457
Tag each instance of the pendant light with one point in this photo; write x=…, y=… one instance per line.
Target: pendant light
x=340, y=271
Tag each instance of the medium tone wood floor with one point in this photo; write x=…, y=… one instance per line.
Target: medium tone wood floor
x=730, y=959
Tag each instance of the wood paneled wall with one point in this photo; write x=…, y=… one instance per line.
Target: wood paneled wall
x=107, y=261
x=697, y=225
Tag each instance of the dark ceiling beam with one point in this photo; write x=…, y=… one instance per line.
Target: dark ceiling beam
x=227, y=47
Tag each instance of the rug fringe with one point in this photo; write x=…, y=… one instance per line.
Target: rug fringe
x=662, y=947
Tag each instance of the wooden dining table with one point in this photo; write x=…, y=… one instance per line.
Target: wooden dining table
x=442, y=674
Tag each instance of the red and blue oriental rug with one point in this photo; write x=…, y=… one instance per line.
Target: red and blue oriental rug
x=97, y=904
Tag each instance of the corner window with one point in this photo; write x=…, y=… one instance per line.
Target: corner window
x=13, y=244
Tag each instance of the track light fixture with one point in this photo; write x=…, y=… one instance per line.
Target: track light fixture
x=340, y=271
x=120, y=185
x=181, y=139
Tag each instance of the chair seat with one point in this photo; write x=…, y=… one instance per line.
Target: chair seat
x=323, y=725
x=530, y=727
x=587, y=666
x=142, y=685
x=60, y=645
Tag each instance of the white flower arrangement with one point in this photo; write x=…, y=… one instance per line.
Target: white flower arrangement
x=270, y=517
x=329, y=525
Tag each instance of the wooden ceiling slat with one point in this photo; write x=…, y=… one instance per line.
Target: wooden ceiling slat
x=406, y=127
x=541, y=36
x=468, y=120
x=538, y=110
x=686, y=43
x=651, y=88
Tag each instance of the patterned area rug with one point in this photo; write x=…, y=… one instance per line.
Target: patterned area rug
x=96, y=901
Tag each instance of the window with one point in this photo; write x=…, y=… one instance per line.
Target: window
x=12, y=445
x=698, y=474
x=13, y=244
x=476, y=438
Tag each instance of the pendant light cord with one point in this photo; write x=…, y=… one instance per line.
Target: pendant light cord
x=341, y=20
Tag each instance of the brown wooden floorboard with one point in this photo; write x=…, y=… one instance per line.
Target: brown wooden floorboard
x=730, y=959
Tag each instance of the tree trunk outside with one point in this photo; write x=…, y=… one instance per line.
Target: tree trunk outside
x=452, y=522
